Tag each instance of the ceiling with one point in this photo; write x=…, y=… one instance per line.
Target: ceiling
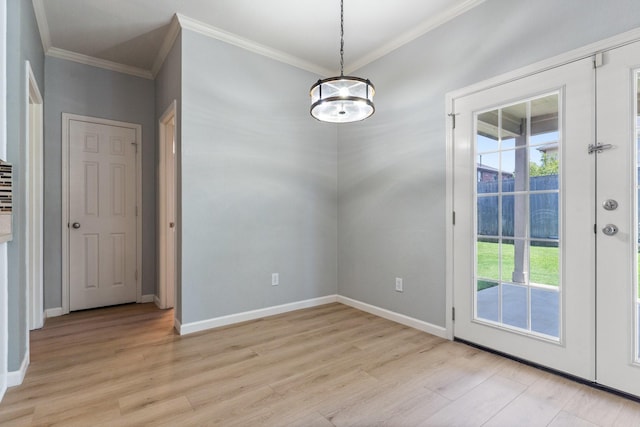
x=133, y=36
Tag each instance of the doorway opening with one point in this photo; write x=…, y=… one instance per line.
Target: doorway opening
x=544, y=243
x=167, y=252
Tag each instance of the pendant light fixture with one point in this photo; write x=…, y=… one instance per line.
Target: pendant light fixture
x=342, y=99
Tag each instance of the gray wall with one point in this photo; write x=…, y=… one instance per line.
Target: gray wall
x=259, y=187
x=168, y=89
x=85, y=90
x=392, y=167
x=23, y=43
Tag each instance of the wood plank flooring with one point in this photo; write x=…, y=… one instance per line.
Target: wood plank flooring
x=325, y=366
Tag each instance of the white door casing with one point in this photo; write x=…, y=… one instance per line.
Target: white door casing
x=167, y=208
x=34, y=197
x=573, y=352
x=101, y=193
x=4, y=333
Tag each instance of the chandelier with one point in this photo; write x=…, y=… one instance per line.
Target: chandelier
x=342, y=99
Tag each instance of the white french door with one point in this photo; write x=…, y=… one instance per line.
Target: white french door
x=523, y=238
x=617, y=255
x=546, y=182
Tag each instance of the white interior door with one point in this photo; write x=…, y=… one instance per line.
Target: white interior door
x=617, y=256
x=523, y=238
x=102, y=215
x=167, y=211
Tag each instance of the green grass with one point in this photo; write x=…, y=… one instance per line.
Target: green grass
x=543, y=264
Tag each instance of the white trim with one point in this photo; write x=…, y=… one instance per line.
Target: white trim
x=43, y=24
x=553, y=62
x=144, y=299
x=181, y=21
x=167, y=44
x=449, y=215
x=421, y=325
x=250, y=45
x=33, y=215
x=203, y=325
x=15, y=378
x=97, y=62
x=66, y=118
x=4, y=321
x=156, y=301
x=53, y=312
x=407, y=37
x=176, y=324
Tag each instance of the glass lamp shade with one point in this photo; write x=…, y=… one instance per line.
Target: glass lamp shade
x=342, y=99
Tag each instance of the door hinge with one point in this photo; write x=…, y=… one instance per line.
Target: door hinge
x=598, y=148
x=136, y=211
x=598, y=60
x=136, y=274
x=595, y=228
x=454, y=217
x=453, y=119
x=453, y=313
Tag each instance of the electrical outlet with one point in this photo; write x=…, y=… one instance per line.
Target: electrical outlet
x=275, y=279
x=399, y=284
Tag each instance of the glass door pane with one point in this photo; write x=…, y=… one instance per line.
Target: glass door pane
x=517, y=216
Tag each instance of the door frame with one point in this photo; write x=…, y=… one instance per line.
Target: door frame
x=34, y=194
x=587, y=51
x=4, y=321
x=66, y=122
x=166, y=289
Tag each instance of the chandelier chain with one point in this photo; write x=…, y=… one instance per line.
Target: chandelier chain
x=341, y=37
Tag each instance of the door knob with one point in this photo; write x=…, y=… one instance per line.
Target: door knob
x=610, y=229
x=172, y=224
x=76, y=225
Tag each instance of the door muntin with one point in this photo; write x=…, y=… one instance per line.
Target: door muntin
x=517, y=281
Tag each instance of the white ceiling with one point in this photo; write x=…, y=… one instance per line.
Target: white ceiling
x=305, y=33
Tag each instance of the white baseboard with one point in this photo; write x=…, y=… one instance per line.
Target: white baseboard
x=156, y=301
x=53, y=312
x=432, y=329
x=147, y=298
x=189, y=328
x=15, y=378
x=176, y=324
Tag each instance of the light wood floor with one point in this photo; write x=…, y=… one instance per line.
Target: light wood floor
x=330, y=365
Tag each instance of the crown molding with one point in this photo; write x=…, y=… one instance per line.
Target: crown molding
x=234, y=39
x=413, y=34
x=97, y=62
x=167, y=44
x=43, y=24
x=179, y=22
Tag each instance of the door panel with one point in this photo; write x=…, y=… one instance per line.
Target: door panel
x=617, y=286
x=523, y=238
x=102, y=233
x=583, y=316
